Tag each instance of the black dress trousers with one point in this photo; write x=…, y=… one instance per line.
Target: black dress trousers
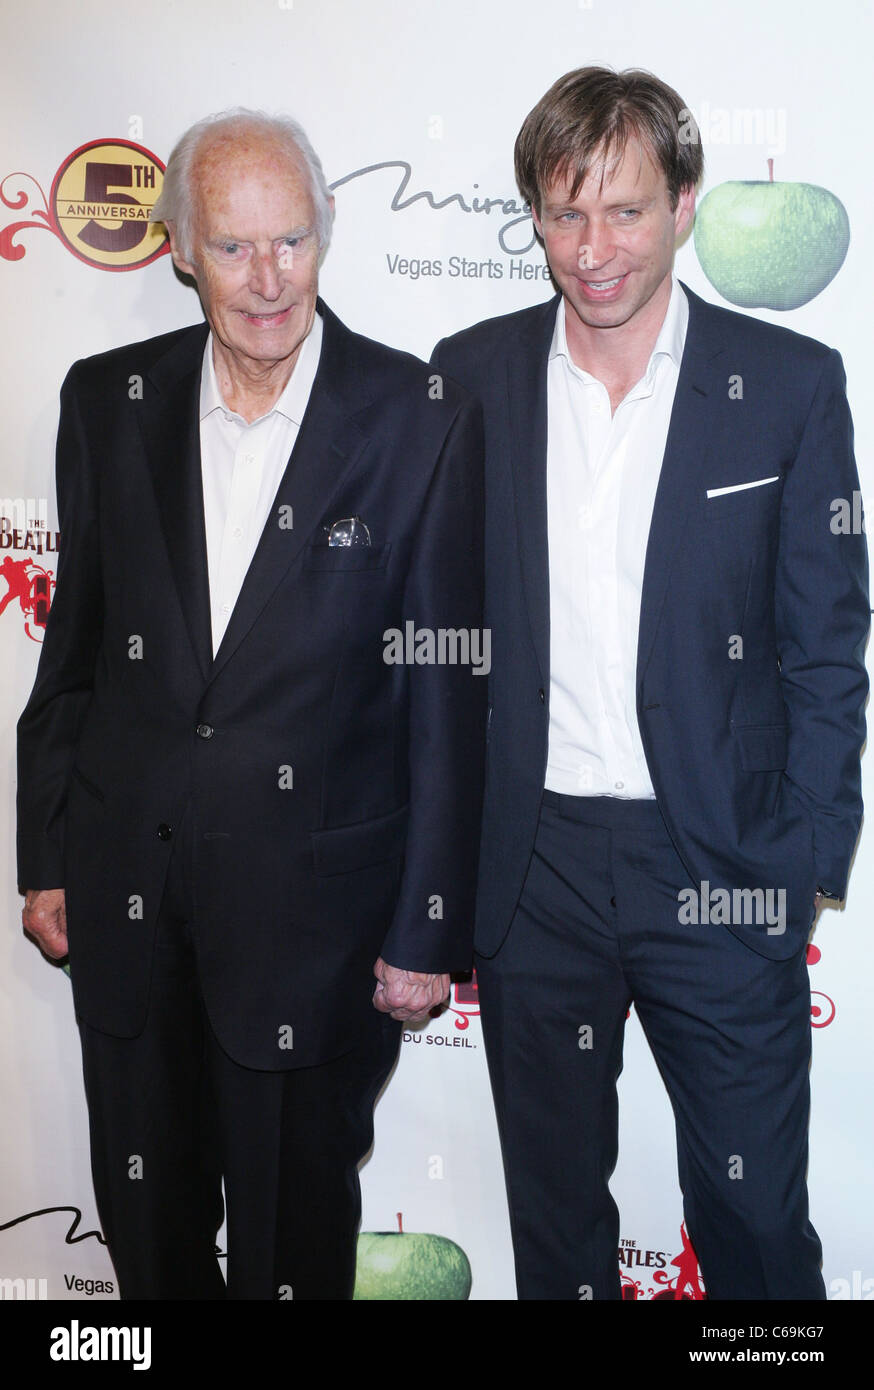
x=172, y=1115
x=597, y=929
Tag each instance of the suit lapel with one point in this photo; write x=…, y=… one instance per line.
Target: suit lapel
x=328, y=445
x=685, y=450
x=526, y=387
x=171, y=432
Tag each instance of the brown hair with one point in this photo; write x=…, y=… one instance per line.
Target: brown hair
x=593, y=112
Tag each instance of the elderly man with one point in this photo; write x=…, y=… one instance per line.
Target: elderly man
x=235, y=805
x=676, y=707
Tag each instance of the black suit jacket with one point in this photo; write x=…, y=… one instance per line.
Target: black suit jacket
x=754, y=761
x=335, y=798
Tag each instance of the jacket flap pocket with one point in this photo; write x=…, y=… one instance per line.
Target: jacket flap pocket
x=763, y=747
x=86, y=782
x=350, y=847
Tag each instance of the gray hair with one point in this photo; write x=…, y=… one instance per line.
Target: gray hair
x=176, y=202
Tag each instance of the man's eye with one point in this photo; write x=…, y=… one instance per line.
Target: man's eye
x=629, y=213
x=230, y=248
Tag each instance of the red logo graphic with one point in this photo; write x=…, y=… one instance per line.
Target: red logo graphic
x=684, y=1286
x=465, y=993
x=32, y=586
x=99, y=206
x=821, y=1014
x=822, y=1008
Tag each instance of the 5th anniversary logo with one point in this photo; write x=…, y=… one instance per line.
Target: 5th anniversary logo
x=99, y=206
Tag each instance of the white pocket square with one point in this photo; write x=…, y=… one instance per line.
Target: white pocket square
x=740, y=487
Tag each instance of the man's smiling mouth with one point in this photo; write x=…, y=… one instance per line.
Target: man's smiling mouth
x=277, y=316
x=602, y=286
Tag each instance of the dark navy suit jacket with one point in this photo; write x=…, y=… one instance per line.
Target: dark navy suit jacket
x=754, y=761
x=335, y=798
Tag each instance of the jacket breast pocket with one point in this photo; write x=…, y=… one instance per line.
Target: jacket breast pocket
x=346, y=559
x=763, y=747
x=744, y=505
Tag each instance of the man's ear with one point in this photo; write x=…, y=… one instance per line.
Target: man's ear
x=178, y=259
x=685, y=209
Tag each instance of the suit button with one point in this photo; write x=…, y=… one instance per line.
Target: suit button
x=164, y=832
x=204, y=731
x=541, y=696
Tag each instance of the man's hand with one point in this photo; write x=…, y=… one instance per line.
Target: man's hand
x=407, y=995
x=44, y=917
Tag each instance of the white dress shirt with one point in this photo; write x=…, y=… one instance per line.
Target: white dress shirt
x=242, y=466
x=601, y=480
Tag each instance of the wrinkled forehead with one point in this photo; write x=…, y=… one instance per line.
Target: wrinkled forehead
x=229, y=164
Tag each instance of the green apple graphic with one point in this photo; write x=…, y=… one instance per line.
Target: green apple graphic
x=771, y=245
x=395, y=1265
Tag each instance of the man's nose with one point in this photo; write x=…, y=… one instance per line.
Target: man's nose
x=265, y=279
x=596, y=248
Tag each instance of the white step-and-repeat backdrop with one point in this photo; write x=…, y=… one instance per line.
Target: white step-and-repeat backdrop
x=413, y=108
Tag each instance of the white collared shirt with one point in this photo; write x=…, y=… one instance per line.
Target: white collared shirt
x=601, y=480
x=242, y=466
